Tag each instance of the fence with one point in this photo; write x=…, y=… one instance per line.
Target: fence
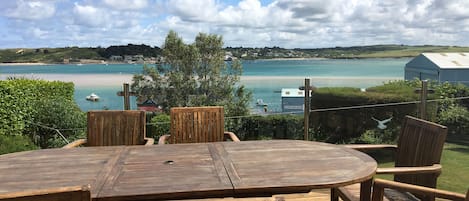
x=340, y=126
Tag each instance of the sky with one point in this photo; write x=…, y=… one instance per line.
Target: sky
x=246, y=23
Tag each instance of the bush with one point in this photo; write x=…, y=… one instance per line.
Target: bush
x=456, y=118
x=15, y=143
x=27, y=103
x=269, y=127
x=58, y=114
x=160, y=125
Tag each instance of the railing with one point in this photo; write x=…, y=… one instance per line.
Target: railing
x=307, y=114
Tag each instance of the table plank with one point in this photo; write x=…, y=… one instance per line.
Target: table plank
x=264, y=168
x=52, y=168
x=222, y=169
x=145, y=173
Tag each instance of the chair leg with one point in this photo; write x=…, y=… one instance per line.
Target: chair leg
x=365, y=190
x=334, y=195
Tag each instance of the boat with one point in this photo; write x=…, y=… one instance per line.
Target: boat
x=92, y=97
x=260, y=102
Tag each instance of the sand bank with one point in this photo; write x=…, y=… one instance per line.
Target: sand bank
x=84, y=80
x=93, y=80
x=24, y=64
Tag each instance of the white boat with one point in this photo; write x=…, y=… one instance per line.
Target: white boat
x=92, y=97
x=260, y=102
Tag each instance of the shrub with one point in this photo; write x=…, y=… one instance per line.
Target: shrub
x=456, y=118
x=270, y=127
x=27, y=103
x=15, y=143
x=58, y=114
x=160, y=125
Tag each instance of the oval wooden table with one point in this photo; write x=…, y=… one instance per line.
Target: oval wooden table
x=224, y=169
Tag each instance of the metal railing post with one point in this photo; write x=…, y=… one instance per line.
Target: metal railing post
x=423, y=99
x=306, y=109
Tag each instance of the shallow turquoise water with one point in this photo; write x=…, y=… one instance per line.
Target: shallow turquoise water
x=360, y=73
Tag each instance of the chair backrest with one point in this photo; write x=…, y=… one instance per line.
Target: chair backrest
x=197, y=124
x=74, y=193
x=420, y=144
x=122, y=127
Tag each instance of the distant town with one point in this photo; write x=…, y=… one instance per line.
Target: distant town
x=140, y=54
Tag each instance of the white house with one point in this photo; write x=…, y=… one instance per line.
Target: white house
x=442, y=67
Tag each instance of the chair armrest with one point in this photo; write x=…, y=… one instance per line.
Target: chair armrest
x=232, y=136
x=75, y=143
x=149, y=141
x=380, y=184
x=163, y=139
x=365, y=147
x=435, y=168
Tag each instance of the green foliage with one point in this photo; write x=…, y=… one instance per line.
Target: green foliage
x=347, y=125
x=194, y=75
x=378, y=136
x=130, y=49
x=25, y=103
x=269, y=127
x=15, y=143
x=59, y=114
x=456, y=118
x=160, y=125
x=49, y=55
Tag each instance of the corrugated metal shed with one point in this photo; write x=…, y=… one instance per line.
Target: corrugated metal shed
x=449, y=60
x=441, y=67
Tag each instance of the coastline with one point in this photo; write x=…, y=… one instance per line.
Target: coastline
x=264, y=59
x=108, y=80
x=25, y=64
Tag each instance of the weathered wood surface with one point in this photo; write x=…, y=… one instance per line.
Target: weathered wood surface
x=380, y=184
x=418, y=154
x=200, y=170
x=114, y=127
x=197, y=124
x=286, y=166
x=72, y=193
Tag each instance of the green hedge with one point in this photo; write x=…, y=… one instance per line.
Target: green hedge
x=352, y=125
x=26, y=102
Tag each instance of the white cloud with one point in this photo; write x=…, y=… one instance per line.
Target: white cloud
x=284, y=23
x=29, y=10
x=89, y=15
x=127, y=4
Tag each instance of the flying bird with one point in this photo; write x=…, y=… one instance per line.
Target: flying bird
x=381, y=124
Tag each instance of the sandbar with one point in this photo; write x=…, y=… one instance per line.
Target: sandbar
x=104, y=80
x=24, y=64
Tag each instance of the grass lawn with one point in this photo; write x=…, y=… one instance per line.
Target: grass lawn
x=455, y=162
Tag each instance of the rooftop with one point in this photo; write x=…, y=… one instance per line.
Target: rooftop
x=449, y=60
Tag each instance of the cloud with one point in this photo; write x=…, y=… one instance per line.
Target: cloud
x=28, y=10
x=89, y=15
x=126, y=4
x=253, y=23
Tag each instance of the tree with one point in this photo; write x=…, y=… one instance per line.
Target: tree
x=194, y=75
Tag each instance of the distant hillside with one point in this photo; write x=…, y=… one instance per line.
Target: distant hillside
x=48, y=55
x=382, y=51
x=57, y=55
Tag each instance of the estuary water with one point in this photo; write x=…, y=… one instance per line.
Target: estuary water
x=265, y=78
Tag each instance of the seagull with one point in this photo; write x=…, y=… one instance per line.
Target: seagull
x=381, y=123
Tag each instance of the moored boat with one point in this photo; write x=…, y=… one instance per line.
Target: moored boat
x=92, y=97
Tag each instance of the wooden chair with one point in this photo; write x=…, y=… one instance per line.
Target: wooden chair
x=109, y=128
x=197, y=124
x=75, y=193
x=380, y=184
x=417, y=157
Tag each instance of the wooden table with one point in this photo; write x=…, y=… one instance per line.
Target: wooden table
x=225, y=169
